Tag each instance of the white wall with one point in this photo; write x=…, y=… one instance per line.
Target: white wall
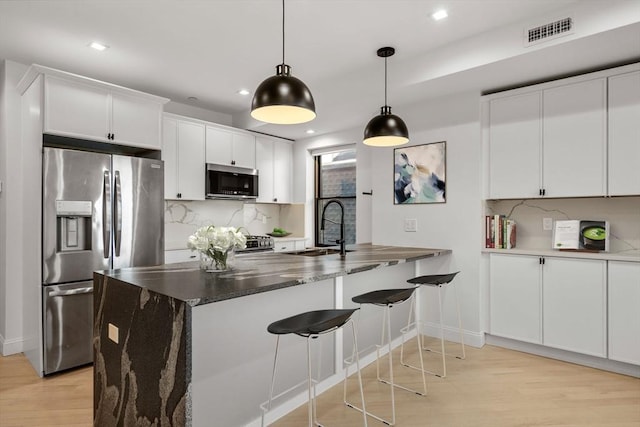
x=11, y=222
x=452, y=225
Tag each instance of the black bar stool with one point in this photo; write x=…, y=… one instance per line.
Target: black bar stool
x=439, y=280
x=310, y=325
x=387, y=298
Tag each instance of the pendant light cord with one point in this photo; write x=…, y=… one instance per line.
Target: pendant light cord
x=282, y=32
x=385, y=81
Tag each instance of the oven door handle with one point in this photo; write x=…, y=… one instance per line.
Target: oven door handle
x=79, y=291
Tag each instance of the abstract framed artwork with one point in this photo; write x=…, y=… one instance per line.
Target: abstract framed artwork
x=419, y=174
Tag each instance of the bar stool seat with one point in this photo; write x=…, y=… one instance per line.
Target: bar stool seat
x=387, y=298
x=310, y=325
x=438, y=281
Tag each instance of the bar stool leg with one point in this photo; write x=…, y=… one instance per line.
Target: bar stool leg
x=444, y=363
x=273, y=379
x=455, y=290
x=355, y=345
x=414, y=311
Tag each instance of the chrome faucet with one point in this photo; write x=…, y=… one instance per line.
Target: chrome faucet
x=343, y=251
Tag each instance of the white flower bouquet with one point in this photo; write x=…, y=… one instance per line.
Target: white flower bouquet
x=215, y=244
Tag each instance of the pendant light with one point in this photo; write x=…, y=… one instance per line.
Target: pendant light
x=283, y=99
x=386, y=129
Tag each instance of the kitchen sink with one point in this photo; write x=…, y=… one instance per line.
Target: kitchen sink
x=317, y=252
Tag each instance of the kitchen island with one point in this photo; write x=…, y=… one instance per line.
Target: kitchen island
x=178, y=346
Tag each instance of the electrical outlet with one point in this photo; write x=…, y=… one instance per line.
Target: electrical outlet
x=264, y=219
x=410, y=224
x=547, y=224
x=113, y=333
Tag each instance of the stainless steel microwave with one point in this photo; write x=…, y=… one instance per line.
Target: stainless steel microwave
x=231, y=182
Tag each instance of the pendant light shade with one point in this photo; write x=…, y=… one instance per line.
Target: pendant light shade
x=386, y=129
x=283, y=99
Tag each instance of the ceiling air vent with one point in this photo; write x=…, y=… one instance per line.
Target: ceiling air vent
x=549, y=31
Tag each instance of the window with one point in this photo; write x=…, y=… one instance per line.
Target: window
x=335, y=180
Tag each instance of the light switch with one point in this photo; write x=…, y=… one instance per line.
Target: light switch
x=113, y=333
x=547, y=224
x=410, y=224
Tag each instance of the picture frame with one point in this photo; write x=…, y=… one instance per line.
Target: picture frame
x=419, y=174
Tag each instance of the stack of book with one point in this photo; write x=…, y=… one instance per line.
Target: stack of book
x=500, y=232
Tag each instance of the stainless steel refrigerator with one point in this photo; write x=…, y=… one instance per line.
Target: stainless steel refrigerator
x=99, y=211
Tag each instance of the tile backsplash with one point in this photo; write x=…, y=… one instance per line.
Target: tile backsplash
x=182, y=218
x=623, y=214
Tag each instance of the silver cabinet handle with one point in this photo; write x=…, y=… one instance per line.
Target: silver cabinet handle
x=79, y=291
x=118, y=213
x=106, y=214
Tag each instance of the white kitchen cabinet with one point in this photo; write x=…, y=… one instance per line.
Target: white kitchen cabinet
x=91, y=110
x=624, y=134
x=229, y=147
x=574, y=305
x=274, y=161
x=183, y=152
x=515, y=143
x=624, y=311
x=574, y=139
x=516, y=297
x=288, y=244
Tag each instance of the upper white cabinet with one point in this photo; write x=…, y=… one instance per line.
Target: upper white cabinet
x=624, y=311
x=516, y=297
x=229, y=147
x=183, y=154
x=574, y=139
x=624, y=134
x=274, y=161
x=87, y=109
x=515, y=147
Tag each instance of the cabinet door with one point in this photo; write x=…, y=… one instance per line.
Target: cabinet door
x=170, y=157
x=574, y=305
x=515, y=146
x=624, y=311
x=624, y=134
x=282, y=174
x=264, y=163
x=75, y=109
x=135, y=121
x=515, y=297
x=219, y=146
x=191, y=165
x=574, y=154
x=284, y=246
x=244, y=150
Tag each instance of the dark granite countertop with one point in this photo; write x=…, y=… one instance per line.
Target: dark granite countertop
x=262, y=272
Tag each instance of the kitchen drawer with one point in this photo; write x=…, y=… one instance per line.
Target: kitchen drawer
x=179, y=255
x=284, y=246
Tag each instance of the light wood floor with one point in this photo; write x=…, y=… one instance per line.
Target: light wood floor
x=492, y=387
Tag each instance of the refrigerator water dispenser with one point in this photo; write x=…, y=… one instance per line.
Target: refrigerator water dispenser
x=73, y=223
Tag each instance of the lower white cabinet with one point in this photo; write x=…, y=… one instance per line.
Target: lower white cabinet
x=553, y=301
x=624, y=311
x=180, y=255
x=574, y=305
x=516, y=297
x=288, y=245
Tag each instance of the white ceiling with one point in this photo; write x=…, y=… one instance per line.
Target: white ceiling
x=210, y=49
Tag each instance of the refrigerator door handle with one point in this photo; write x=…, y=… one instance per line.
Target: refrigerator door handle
x=79, y=291
x=106, y=214
x=118, y=212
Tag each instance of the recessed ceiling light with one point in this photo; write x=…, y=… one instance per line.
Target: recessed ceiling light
x=243, y=92
x=439, y=14
x=98, y=46
x=192, y=98
x=310, y=131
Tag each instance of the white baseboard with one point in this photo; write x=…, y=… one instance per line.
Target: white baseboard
x=474, y=339
x=566, y=356
x=12, y=346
